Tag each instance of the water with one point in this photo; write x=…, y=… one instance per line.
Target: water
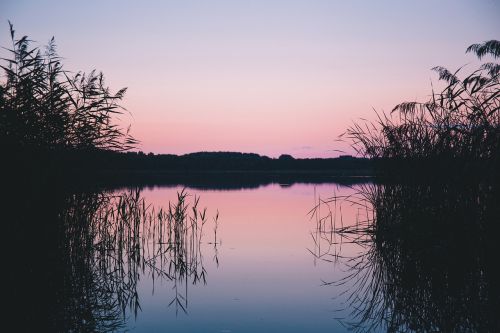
x=379, y=257
x=266, y=279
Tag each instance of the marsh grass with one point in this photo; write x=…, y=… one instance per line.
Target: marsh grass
x=460, y=123
x=110, y=240
x=45, y=107
x=427, y=259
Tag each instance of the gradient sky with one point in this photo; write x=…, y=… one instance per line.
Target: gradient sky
x=269, y=77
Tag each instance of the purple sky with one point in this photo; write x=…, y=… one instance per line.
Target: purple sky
x=269, y=77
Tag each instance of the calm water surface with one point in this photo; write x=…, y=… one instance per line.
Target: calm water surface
x=265, y=278
x=381, y=257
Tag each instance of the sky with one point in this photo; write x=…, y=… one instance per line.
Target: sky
x=264, y=76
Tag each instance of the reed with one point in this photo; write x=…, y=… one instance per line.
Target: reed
x=110, y=240
x=427, y=259
x=43, y=106
x=460, y=123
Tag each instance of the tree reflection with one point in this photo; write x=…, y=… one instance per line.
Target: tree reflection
x=428, y=261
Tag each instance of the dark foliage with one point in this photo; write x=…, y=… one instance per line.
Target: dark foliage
x=225, y=161
x=429, y=258
x=457, y=126
x=79, y=256
x=223, y=169
x=44, y=107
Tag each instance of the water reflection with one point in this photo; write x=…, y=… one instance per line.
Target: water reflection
x=399, y=257
x=429, y=258
x=99, y=247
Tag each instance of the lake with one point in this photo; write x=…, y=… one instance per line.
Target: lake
x=266, y=279
x=276, y=257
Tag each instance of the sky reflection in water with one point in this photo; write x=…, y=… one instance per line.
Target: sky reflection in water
x=267, y=280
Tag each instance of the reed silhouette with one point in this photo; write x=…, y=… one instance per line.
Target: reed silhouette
x=45, y=107
x=458, y=126
x=83, y=254
x=428, y=256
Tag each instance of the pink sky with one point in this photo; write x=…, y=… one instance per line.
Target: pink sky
x=269, y=77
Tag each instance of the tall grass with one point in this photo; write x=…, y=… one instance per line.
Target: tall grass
x=460, y=122
x=427, y=257
x=43, y=106
x=111, y=240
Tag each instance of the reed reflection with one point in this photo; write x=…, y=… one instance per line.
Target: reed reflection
x=105, y=244
x=428, y=259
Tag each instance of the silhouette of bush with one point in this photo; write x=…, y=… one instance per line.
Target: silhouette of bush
x=43, y=106
x=460, y=122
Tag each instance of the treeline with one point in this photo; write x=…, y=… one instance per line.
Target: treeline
x=211, y=170
x=202, y=161
x=235, y=161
